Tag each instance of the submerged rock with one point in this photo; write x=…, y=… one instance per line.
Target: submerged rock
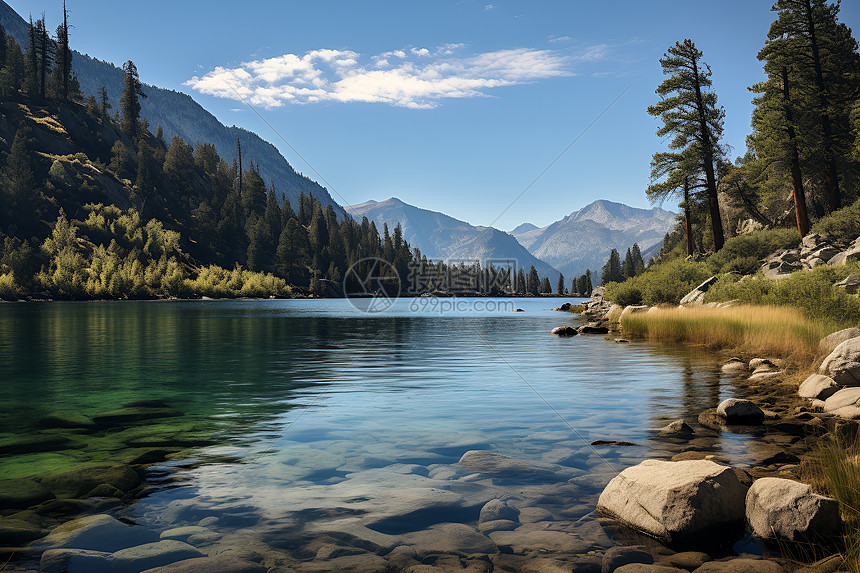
x=149, y=555
x=678, y=427
x=676, y=501
x=782, y=509
x=75, y=561
x=740, y=411
x=618, y=556
x=14, y=532
x=22, y=493
x=741, y=566
x=65, y=420
x=496, y=509
x=564, y=331
x=843, y=364
x=215, y=564
x=505, y=469
x=97, y=532
x=77, y=483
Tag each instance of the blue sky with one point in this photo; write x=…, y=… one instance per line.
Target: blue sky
x=451, y=105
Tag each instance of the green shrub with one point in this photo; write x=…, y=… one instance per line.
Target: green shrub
x=843, y=224
x=662, y=283
x=742, y=253
x=9, y=289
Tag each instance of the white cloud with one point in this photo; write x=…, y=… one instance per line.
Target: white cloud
x=488, y=7
x=555, y=39
x=415, y=78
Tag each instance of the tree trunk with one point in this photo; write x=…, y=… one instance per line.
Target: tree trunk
x=708, y=160
x=687, y=222
x=796, y=178
x=831, y=178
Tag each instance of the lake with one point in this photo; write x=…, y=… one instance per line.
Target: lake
x=288, y=422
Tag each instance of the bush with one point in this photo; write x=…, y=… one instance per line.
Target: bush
x=742, y=253
x=662, y=283
x=811, y=291
x=843, y=224
x=9, y=289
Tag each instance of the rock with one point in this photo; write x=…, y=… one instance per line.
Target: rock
x=687, y=560
x=847, y=256
x=747, y=226
x=618, y=556
x=215, y=564
x=818, y=387
x=505, y=469
x=593, y=329
x=844, y=403
x=130, y=415
x=768, y=364
x=843, y=364
x=534, y=514
x=616, y=443
x=740, y=566
x=740, y=411
x=487, y=527
x=75, y=561
x=21, y=493
x=697, y=296
x=77, y=483
x=735, y=366
x=830, y=564
x=150, y=555
x=674, y=501
x=851, y=284
x=183, y=533
x=565, y=307
x=497, y=509
x=65, y=420
x=519, y=541
x=633, y=309
x=783, y=509
x=564, y=331
x=14, y=532
x=678, y=427
x=519, y=310
x=98, y=532
x=645, y=568
x=30, y=444
x=829, y=343
x=364, y=563
x=449, y=538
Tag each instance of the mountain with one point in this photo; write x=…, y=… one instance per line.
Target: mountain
x=584, y=239
x=180, y=115
x=441, y=237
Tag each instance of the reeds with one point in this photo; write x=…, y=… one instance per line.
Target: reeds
x=763, y=330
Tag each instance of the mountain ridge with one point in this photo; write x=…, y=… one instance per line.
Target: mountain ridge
x=442, y=237
x=179, y=114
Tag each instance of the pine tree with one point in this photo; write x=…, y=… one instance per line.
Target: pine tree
x=689, y=112
x=807, y=36
x=638, y=263
x=560, y=287
x=61, y=76
x=588, y=286
x=130, y=102
x=628, y=269
x=2, y=47
x=144, y=180
x=12, y=73
x=533, y=282
x=545, y=287
x=521, y=281
x=612, y=269
x=105, y=103
x=20, y=183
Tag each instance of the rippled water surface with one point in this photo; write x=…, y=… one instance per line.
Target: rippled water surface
x=319, y=418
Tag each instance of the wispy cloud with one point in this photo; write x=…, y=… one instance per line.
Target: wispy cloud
x=414, y=77
x=488, y=7
x=555, y=39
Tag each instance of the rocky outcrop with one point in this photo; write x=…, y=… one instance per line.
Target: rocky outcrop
x=674, y=501
x=851, y=284
x=849, y=255
x=782, y=509
x=697, y=296
x=829, y=343
x=843, y=364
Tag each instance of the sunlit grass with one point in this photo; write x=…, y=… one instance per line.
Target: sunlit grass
x=835, y=471
x=774, y=331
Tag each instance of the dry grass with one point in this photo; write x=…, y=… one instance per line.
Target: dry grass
x=761, y=330
x=835, y=471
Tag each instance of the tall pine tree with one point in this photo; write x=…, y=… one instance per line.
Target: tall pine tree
x=130, y=102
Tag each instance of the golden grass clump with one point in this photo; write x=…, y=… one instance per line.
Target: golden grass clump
x=771, y=330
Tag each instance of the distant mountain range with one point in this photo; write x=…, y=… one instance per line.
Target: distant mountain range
x=584, y=239
x=179, y=114
x=441, y=237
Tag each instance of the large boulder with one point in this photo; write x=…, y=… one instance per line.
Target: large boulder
x=675, y=501
x=21, y=493
x=843, y=364
x=97, y=532
x=849, y=255
x=697, y=296
x=150, y=555
x=783, y=509
x=621, y=555
x=828, y=343
x=78, y=483
x=818, y=387
x=845, y=403
x=633, y=309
